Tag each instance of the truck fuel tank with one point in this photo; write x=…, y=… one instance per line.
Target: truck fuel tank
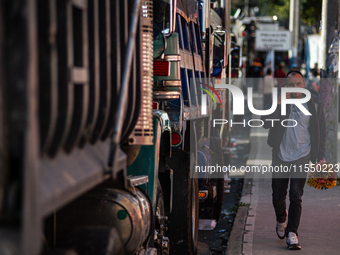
x=129, y=211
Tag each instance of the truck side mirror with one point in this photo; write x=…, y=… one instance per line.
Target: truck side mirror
x=220, y=46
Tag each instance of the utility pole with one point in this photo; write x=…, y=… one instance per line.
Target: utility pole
x=294, y=27
x=246, y=8
x=329, y=15
x=227, y=12
x=329, y=83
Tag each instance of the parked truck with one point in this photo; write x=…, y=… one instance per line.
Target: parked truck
x=101, y=125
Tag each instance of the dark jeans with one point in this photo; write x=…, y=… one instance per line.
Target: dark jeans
x=280, y=185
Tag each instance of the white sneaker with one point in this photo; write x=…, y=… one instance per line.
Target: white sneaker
x=293, y=242
x=281, y=228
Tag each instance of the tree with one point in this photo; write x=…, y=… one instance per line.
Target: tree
x=311, y=13
x=310, y=10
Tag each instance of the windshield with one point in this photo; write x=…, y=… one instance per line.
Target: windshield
x=161, y=11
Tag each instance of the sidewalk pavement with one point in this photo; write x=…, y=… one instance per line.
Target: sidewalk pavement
x=319, y=231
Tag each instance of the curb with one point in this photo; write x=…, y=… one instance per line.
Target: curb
x=236, y=240
x=241, y=237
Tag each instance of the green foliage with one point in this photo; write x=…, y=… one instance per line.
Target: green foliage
x=243, y=204
x=275, y=7
x=311, y=12
x=310, y=9
x=234, y=209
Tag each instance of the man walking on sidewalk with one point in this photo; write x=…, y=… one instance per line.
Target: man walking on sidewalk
x=294, y=147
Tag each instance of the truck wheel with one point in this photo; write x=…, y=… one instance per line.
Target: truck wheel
x=183, y=221
x=159, y=219
x=215, y=146
x=219, y=199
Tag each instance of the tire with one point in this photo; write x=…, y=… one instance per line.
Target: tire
x=183, y=220
x=219, y=199
x=159, y=222
x=219, y=182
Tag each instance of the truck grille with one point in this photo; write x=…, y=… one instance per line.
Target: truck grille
x=82, y=51
x=143, y=132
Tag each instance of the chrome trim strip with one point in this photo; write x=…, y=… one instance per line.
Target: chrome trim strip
x=172, y=57
x=172, y=83
x=166, y=95
x=137, y=180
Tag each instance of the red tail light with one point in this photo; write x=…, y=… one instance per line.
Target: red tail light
x=232, y=144
x=155, y=105
x=176, y=138
x=161, y=68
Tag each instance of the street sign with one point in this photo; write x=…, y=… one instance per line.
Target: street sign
x=268, y=26
x=272, y=40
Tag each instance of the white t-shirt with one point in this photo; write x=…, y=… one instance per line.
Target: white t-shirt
x=267, y=85
x=296, y=141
